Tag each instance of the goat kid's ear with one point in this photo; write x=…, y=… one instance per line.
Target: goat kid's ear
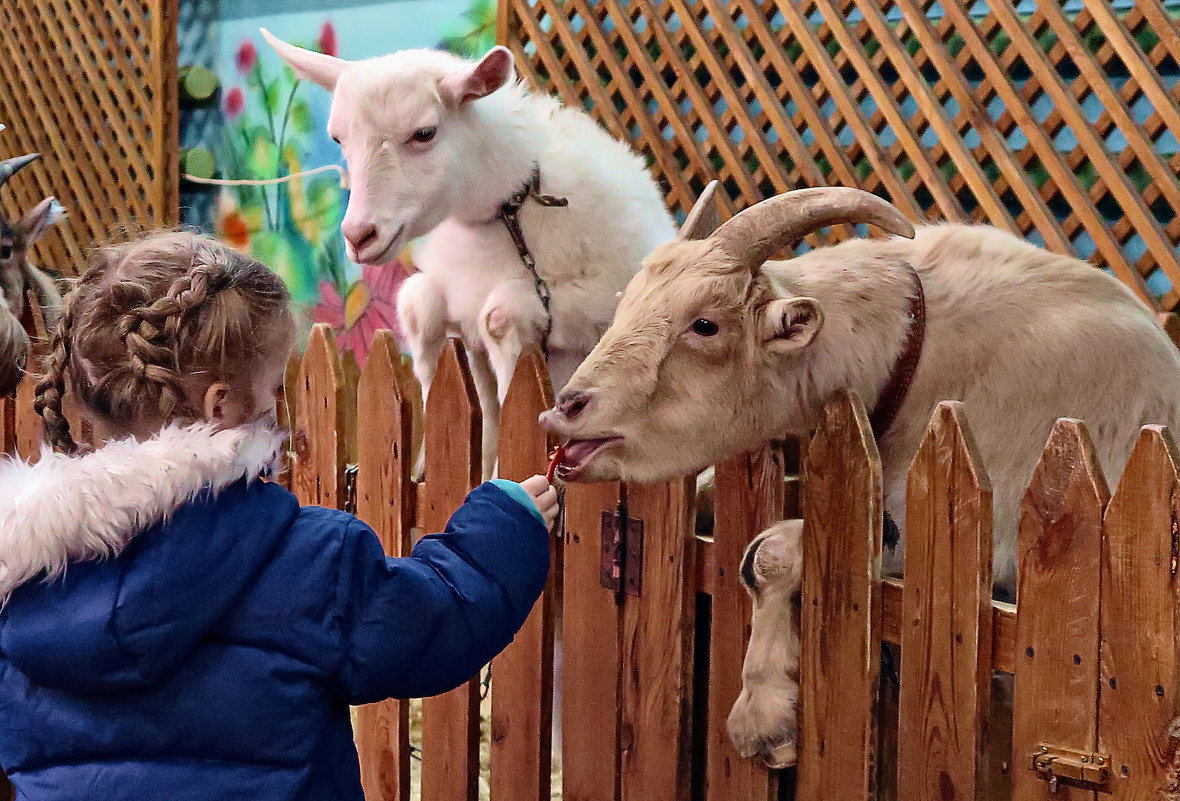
x=308, y=64
x=790, y=324
x=44, y=216
x=472, y=82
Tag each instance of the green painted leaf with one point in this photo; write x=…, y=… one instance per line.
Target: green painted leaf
x=263, y=158
x=301, y=119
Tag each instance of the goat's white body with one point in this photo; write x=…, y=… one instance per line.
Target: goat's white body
x=473, y=283
x=1021, y=336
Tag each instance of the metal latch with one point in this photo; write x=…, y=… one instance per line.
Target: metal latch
x=621, y=563
x=350, y=472
x=1054, y=763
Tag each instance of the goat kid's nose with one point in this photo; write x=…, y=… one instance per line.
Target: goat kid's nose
x=570, y=405
x=359, y=234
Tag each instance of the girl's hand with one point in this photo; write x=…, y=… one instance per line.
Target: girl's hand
x=544, y=496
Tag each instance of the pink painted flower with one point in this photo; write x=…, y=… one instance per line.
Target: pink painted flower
x=234, y=102
x=370, y=304
x=247, y=56
x=327, y=41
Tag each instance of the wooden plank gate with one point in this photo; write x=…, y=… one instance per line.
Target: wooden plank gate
x=651, y=663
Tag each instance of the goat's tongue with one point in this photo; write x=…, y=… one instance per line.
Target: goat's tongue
x=577, y=451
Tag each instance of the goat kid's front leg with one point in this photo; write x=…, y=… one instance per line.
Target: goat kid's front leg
x=422, y=312
x=489, y=408
x=511, y=319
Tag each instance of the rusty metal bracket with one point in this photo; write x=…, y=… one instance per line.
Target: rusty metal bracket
x=621, y=561
x=1054, y=764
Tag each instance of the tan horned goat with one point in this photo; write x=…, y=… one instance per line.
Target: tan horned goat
x=714, y=350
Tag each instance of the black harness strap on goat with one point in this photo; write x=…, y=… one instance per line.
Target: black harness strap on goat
x=897, y=388
x=509, y=215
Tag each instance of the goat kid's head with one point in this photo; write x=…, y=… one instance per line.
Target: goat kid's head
x=686, y=374
x=396, y=118
x=15, y=240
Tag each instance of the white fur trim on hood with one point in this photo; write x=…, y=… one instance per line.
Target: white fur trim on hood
x=70, y=509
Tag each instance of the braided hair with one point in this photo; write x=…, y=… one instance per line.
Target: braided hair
x=153, y=322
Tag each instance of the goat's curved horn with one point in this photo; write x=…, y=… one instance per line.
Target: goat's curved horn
x=704, y=217
x=754, y=235
x=10, y=167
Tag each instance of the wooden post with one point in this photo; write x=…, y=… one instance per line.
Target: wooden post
x=384, y=500
x=1140, y=671
x=841, y=607
x=28, y=432
x=450, y=722
x=748, y=499
x=317, y=469
x=946, y=632
x=1055, y=697
x=590, y=663
x=7, y=426
x=657, y=658
x=522, y=676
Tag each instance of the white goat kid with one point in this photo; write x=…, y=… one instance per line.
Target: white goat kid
x=714, y=350
x=436, y=143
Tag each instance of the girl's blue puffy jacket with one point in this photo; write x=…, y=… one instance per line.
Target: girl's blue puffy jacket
x=216, y=656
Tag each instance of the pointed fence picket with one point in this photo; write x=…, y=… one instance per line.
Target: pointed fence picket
x=646, y=681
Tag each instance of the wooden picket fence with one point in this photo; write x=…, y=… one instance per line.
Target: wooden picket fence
x=648, y=673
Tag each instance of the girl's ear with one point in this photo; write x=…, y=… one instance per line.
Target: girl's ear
x=216, y=404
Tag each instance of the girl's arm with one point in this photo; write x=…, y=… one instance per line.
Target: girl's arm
x=424, y=624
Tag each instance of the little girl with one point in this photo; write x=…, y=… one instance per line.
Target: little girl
x=215, y=653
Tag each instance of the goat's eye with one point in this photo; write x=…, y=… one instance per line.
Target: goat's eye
x=5, y=252
x=705, y=328
x=424, y=134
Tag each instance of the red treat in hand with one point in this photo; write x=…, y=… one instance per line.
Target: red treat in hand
x=558, y=455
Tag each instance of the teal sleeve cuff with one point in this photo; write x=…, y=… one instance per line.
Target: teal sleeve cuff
x=517, y=493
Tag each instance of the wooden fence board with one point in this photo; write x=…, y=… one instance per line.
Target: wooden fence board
x=841, y=607
x=1057, y=595
x=450, y=722
x=317, y=468
x=749, y=488
x=28, y=431
x=590, y=625
x=657, y=656
x=8, y=424
x=946, y=635
x=1140, y=676
x=382, y=490
x=522, y=675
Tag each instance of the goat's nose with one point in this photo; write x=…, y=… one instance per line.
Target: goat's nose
x=571, y=404
x=359, y=233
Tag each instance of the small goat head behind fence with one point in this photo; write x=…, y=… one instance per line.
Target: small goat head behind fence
x=22, y=284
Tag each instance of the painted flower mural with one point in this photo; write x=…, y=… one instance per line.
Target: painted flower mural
x=293, y=227
x=368, y=305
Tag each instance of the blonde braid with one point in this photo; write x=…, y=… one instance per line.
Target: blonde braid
x=51, y=389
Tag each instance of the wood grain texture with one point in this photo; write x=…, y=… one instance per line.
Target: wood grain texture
x=944, y=113
x=841, y=607
x=1140, y=672
x=946, y=632
x=590, y=626
x=1057, y=596
x=450, y=722
x=28, y=430
x=750, y=489
x=522, y=675
x=8, y=424
x=383, y=492
x=657, y=643
x=317, y=467
x=93, y=87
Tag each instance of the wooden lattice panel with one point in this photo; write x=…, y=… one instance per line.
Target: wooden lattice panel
x=92, y=87
x=1055, y=121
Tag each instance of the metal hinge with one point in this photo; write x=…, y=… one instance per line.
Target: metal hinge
x=1055, y=764
x=350, y=472
x=621, y=564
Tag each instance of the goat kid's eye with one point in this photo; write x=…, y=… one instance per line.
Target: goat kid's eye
x=705, y=328
x=5, y=252
x=424, y=134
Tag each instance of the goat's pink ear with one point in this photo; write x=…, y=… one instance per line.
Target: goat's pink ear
x=44, y=216
x=308, y=64
x=494, y=70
